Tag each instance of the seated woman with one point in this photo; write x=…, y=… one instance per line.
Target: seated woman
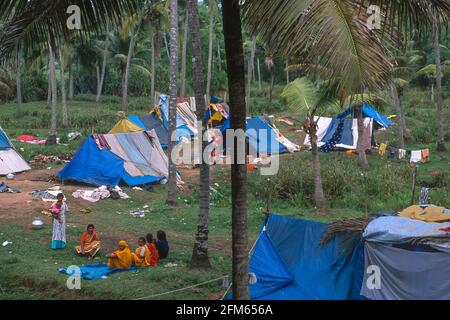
x=151, y=247
x=162, y=244
x=89, y=244
x=141, y=257
x=122, y=258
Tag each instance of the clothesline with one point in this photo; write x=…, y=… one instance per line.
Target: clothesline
x=182, y=289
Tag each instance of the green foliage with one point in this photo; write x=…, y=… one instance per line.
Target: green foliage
x=386, y=186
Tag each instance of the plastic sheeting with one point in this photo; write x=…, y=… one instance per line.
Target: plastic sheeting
x=290, y=264
x=150, y=122
x=405, y=274
x=400, y=230
x=94, y=166
x=95, y=271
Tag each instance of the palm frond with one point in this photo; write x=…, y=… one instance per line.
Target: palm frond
x=34, y=22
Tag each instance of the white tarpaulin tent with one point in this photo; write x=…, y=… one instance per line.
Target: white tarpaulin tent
x=10, y=160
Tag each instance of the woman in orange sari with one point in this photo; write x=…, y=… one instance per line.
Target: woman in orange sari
x=151, y=247
x=122, y=258
x=89, y=244
x=142, y=255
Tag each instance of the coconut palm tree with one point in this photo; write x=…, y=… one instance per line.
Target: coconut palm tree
x=439, y=99
x=173, y=32
x=51, y=139
x=200, y=251
x=65, y=116
x=212, y=11
x=104, y=62
x=302, y=95
x=19, y=82
x=236, y=85
x=250, y=69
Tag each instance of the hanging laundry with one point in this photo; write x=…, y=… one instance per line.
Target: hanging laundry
x=416, y=156
x=425, y=155
x=382, y=149
x=401, y=153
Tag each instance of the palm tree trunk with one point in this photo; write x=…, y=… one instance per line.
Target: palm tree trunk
x=272, y=80
x=287, y=72
x=439, y=103
x=70, y=95
x=236, y=86
x=152, y=83
x=51, y=139
x=173, y=32
x=250, y=73
x=200, y=250
x=448, y=124
x=396, y=107
x=104, y=61
x=49, y=91
x=259, y=78
x=167, y=46
x=210, y=44
x=406, y=136
x=183, y=57
x=127, y=73
x=19, y=83
x=65, y=117
x=360, y=147
x=319, y=195
x=219, y=59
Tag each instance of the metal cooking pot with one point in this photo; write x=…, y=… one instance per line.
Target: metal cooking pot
x=37, y=224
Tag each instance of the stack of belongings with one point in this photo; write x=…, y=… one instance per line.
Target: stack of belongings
x=341, y=133
x=135, y=158
x=412, y=251
x=99, y=194
x=10, y=160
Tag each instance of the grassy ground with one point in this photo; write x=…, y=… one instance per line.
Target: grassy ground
x=28, y=268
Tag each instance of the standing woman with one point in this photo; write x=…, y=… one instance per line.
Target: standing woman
x=59, y=224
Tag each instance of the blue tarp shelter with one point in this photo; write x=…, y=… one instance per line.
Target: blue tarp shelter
x=290, y=264
x=368, y=111
x=131, y=164
x=262, y=137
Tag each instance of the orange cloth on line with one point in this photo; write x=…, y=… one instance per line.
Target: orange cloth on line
x=154, y=255
x=124, y=258
x=137, y=257
x=425, y=153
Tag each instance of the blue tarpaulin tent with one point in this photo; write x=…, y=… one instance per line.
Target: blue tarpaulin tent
x=368, y=111
x=290, y=264
x=99, y=167
x=262, y=137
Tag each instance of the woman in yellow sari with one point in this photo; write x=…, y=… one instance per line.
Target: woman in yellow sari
x=122, y=258
x=142, y=255
x=89, y=244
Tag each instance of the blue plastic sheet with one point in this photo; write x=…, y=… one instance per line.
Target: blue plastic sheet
x=291, y=264
x=95, y=271
x=93, y=166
